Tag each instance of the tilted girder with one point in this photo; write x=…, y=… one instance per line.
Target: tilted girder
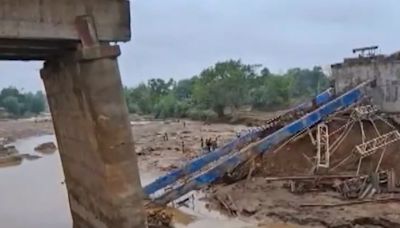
x=236, y=144
x=231, y=162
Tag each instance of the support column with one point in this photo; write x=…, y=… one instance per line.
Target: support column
x=85, y=96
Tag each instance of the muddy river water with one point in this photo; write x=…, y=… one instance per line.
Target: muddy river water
x=33, y=194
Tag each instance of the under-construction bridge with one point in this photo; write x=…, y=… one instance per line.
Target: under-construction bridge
x=208, y=168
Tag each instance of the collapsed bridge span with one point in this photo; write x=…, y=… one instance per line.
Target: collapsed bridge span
x=226, y=160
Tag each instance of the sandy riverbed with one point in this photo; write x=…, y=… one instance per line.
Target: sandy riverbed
x=265, y=205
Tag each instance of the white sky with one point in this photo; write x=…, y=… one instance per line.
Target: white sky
x=178, y=38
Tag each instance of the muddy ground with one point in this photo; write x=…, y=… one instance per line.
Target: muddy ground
x=184, y=138
x=272, y=202
x=264, y=202
x=183, y=144
x=18, y=129
x=269, y=203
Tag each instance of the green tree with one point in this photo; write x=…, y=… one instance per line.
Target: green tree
x=183, y=88
x=139, y=99
x=19, y=104
x=166, y=106
x=272, y=93
x=223, y=85
x=38, y=103
x=11, y=104
x=265, y=72
x=307, y=82
x=10, y=91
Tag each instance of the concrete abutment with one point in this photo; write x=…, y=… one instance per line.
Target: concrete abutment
x=85, y=96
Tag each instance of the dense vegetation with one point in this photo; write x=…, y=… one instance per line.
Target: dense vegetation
x=230, y=84
x=20, y=104
x=226, y=85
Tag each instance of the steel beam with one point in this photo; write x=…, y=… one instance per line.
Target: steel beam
x=198, y=163
x=263, y=146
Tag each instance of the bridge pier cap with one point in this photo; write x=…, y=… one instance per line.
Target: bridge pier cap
x=42, y=29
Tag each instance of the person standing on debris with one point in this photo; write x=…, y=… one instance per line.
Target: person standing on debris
x=208, y=144
x=214, y=143
x=165, y=136
x=201, y=143
x=183, y=146
x=184, y=123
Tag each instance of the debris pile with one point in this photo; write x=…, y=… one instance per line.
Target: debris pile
x=46, y=148
x=362, y=187
x=337, y=156
x=349, y=186
x=159, y=218
x=350, y=145
x=349, y=159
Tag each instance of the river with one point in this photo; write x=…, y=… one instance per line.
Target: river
x=33, y=194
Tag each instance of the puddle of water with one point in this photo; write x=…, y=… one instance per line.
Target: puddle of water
x=32, y=194
x=194, y=214
x=201, y=216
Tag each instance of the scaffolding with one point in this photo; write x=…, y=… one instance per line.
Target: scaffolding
x=370, y=147
x=322, y=146
x=364, y=111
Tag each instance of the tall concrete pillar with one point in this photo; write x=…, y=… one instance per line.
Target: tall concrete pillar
x=90, y=118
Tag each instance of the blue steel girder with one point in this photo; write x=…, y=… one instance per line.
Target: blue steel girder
x=200, y=162
x=207, y=177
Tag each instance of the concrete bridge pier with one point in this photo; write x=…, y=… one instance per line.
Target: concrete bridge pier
x=90, y=118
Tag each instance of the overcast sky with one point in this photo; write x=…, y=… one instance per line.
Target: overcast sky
x=178, y=38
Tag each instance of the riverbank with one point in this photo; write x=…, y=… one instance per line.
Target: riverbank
x=24, y=128
x=164, y=145
x=156, y=156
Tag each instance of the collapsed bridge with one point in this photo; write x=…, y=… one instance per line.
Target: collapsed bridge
x=208, y=168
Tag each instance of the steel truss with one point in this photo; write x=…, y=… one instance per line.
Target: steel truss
x=370, y=147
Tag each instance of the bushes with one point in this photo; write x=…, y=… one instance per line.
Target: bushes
x=199, y=114
x=21, y=104
x=229, y=84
